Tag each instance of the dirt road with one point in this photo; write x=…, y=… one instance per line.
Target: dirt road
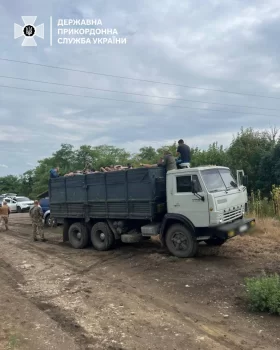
x=134, y=297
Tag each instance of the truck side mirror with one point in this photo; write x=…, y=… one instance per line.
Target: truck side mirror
x=245, y=180
x=195, y=187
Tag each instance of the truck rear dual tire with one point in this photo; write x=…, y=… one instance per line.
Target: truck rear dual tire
x=102, y=237
x=180, y=241
x=78, y=235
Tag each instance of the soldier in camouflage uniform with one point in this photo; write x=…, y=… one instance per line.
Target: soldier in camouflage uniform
x=36, y=215
x=4, y=214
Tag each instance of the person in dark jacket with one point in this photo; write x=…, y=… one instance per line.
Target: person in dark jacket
x=185, y=153
x=54, y=173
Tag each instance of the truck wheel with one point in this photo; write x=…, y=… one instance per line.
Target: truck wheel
x=102, y=237
x=78, y=235
x=19, y=210
x=215, y=241
x=180, y=241
x=50, y=221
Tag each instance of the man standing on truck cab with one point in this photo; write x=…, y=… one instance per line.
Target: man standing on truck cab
x=36, y=215
x=185, y=153
x=54, y=173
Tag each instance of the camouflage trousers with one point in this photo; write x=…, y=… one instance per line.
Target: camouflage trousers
x=5, y=220
x=37, y=229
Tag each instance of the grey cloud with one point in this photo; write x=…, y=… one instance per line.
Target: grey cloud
x=213, y=44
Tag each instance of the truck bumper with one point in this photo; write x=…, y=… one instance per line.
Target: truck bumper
x=233, y=229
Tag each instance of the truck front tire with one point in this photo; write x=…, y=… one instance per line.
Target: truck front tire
x=102, y=237
x=180, y=241
x=78, y=235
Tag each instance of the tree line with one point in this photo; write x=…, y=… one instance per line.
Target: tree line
x=257, y=153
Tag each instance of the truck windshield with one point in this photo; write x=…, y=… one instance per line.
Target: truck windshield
x=218, y=180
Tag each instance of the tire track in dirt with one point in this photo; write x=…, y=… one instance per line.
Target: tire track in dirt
x=129, y=284
x=64, y=320
x=67, y=323
x=215, y=334
x=79, y=333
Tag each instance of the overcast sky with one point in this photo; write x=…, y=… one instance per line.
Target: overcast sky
x=214, y=44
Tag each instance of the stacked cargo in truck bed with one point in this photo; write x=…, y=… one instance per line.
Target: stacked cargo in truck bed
x=129, y=194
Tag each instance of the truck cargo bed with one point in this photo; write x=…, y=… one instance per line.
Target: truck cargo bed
x=130, y=194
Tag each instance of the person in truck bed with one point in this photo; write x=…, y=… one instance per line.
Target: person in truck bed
x=54, y=173
x=168, y=161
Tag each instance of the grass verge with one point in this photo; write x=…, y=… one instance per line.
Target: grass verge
x=264, y=293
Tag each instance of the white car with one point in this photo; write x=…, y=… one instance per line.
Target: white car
x=19, y=204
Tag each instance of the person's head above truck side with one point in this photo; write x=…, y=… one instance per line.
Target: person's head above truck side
x=36, y=202
x=168, y=161
x=184, y=151
x=54, y=172
x=166, y=151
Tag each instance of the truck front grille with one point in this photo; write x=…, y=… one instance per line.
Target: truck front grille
x=232, y=215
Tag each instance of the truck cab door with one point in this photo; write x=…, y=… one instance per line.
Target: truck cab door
x=182, y=201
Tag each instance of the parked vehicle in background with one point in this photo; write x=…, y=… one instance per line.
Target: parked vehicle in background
x=19, y=204
x=48, y=220
x=6, y=195
x=11, y=195
x=45, y=204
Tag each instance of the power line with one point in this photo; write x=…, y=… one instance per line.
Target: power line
x=137, y=79
x=136, y=102
x=135, y=94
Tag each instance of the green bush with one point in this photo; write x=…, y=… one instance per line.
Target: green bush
x=264, y=293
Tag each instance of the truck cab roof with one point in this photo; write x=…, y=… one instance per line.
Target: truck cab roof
x=199, y=168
